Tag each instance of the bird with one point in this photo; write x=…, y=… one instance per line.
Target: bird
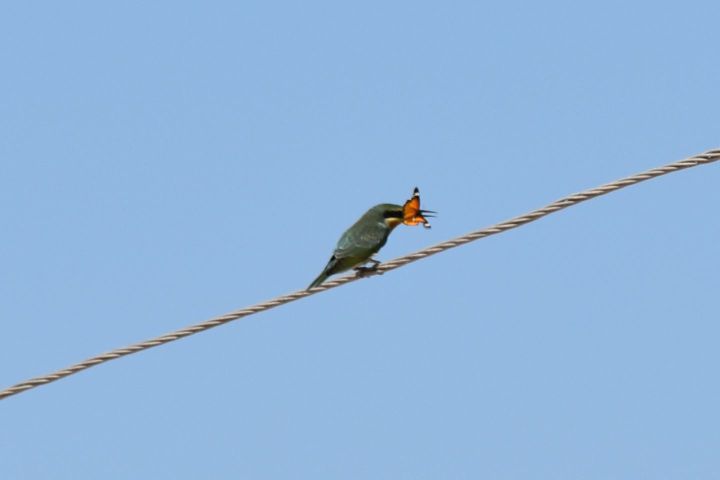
x=369, y=234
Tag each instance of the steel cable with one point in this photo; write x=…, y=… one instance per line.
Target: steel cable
x=700, y=159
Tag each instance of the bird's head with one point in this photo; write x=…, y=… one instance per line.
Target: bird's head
x=392, y=214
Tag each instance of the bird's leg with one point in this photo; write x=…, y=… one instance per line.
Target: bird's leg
x=368, y=271
x=374, y=262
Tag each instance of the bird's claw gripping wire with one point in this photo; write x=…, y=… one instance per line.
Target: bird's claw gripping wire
x=368, y=271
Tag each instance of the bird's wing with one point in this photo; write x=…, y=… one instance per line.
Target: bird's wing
x=364, y=242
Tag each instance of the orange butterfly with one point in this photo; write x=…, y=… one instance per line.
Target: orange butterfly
x=412, y=215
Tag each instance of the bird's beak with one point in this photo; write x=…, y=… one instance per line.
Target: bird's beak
x=424, y=215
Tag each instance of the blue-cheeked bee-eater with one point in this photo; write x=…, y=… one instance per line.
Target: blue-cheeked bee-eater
x=368, y=235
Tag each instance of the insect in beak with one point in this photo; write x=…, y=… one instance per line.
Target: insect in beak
x=413, y=215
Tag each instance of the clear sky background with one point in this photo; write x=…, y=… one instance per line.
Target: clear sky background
x=165, y=162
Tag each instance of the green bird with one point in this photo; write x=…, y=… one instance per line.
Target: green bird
x=368, y=235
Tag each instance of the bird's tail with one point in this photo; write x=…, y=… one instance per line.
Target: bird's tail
x=320, y=278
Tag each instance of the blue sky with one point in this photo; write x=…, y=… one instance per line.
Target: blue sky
x=165, y=162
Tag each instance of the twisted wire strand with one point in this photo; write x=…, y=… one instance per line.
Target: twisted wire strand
x=700, y=159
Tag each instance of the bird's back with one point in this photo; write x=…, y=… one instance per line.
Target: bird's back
x=365, y=237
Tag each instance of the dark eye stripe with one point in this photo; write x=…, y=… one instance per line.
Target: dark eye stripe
x=393, y=214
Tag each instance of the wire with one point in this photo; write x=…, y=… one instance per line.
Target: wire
x=700, y=159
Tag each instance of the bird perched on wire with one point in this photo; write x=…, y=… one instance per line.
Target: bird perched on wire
x=369, y=234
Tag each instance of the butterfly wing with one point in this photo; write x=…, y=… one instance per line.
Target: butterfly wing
x=412, y=215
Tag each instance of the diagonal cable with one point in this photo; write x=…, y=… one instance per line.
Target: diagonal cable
x=700, y=159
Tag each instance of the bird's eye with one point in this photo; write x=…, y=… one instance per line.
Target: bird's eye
x=392, y=214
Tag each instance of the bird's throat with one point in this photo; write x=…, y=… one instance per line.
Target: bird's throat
x=393, y=222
